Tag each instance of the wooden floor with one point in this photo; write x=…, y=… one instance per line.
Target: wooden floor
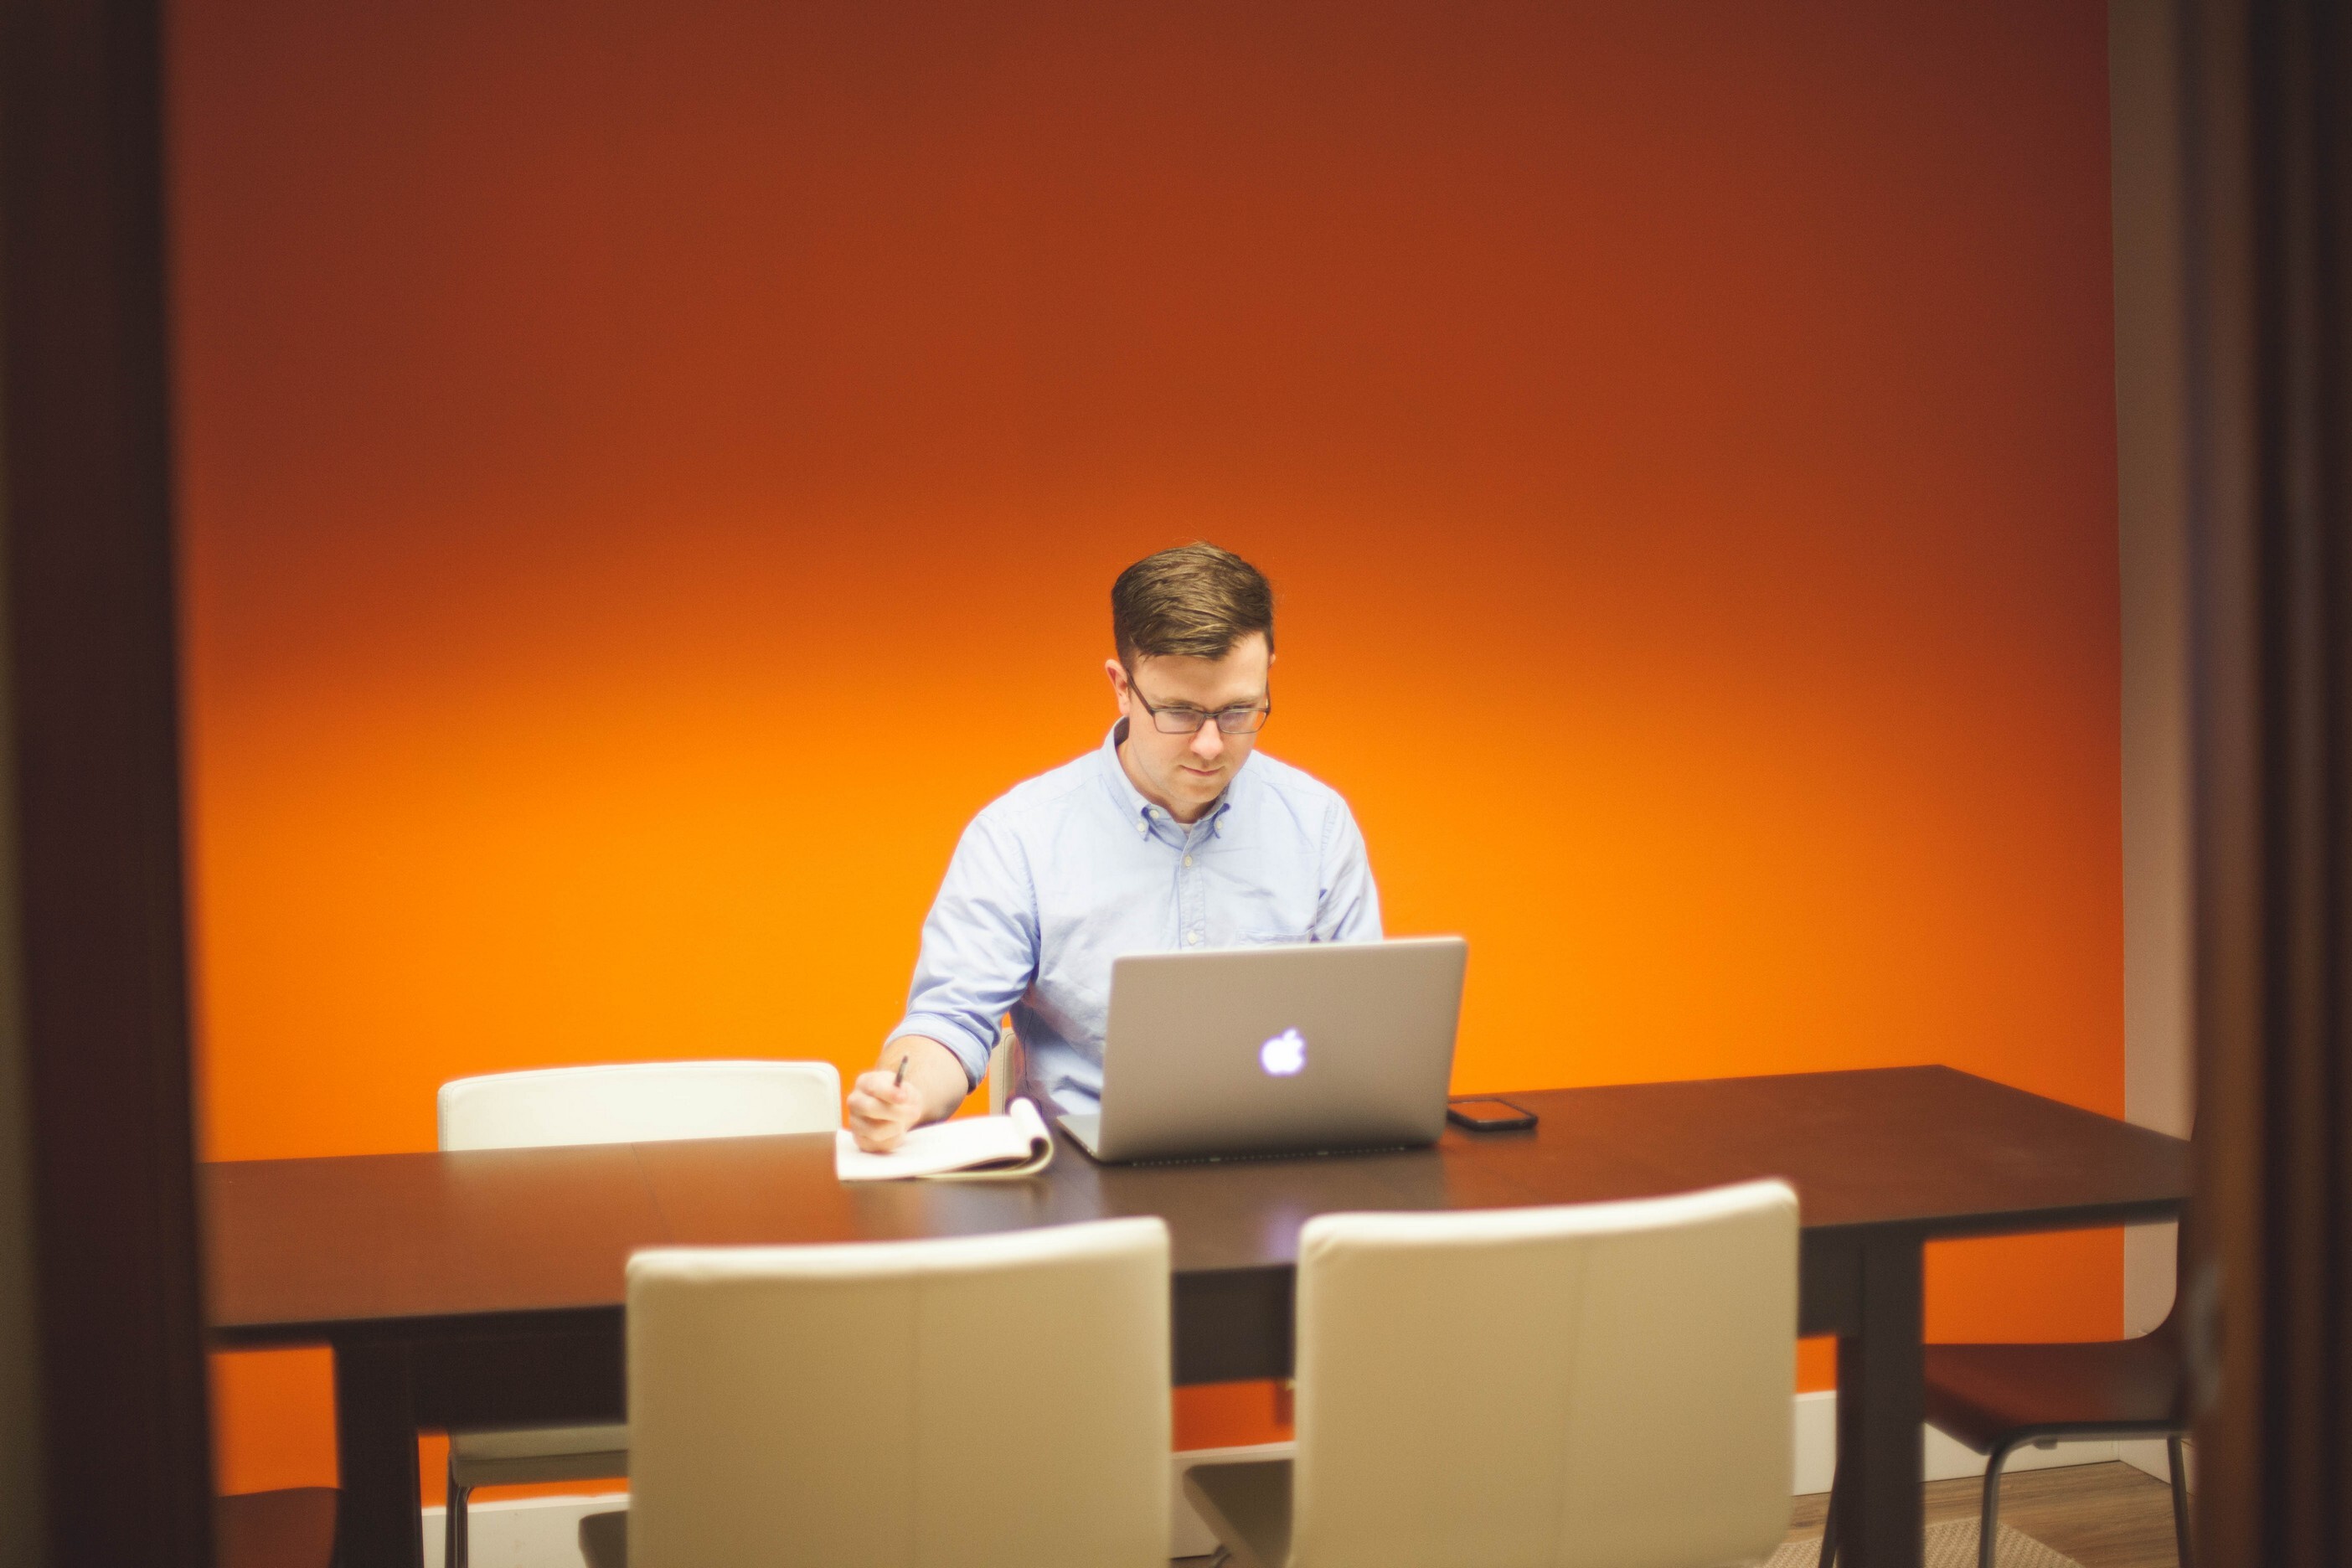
x=2102, y=1515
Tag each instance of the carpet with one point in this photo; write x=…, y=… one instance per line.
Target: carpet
x=1952, y=1544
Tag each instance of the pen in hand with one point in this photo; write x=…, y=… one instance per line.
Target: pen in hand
x=900, y=1081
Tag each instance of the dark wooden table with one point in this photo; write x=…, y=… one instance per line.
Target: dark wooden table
x=485, y=1288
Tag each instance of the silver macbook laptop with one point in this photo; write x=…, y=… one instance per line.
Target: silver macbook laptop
x=1295, y=1049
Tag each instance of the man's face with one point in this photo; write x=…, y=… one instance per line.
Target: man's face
x=1186, y=774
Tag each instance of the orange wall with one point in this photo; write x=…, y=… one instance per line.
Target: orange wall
x=652, y=473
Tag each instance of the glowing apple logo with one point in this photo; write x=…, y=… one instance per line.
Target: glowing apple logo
x=1283, y=1056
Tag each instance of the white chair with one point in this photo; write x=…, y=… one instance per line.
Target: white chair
x=849, y=1407
x=1003, y=1070
x=1600, y=1384
x=629, y=1102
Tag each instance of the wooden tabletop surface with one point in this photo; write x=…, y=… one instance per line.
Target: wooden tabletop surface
x=299, y=1250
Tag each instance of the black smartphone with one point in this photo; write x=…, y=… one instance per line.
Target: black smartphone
x=1488, y=1115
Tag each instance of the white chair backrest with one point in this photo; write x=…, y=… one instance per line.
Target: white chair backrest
x=1004, y=1071
x=638, y=1103
x=850, y=1406
x=1602, y=1385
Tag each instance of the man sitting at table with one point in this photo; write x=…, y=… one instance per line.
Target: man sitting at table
x=1173, y=835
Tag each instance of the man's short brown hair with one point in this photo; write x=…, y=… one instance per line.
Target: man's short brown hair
x=1195, y=601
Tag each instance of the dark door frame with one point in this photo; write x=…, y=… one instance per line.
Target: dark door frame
x=2268, y=92
x=94, y=820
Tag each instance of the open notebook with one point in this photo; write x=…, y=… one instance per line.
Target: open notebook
x=972, y=1149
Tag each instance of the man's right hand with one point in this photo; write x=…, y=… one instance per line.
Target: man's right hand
x=882, y=1110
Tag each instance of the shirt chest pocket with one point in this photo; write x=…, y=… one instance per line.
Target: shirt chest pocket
x=1263, y=916
x=1268, y=919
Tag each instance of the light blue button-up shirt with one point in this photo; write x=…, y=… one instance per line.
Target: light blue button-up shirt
x=1075, y=868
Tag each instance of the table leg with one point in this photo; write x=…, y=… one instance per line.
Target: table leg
x=1880, y=1409
x=379, y=1523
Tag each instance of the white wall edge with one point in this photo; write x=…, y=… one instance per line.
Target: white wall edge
x=1186, y=1536
x=521, y=1532
x=1942, y=1460
x=2148, y=1454
x=543, y=1532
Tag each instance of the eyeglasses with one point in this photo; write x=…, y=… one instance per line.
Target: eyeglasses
x=1183, y=719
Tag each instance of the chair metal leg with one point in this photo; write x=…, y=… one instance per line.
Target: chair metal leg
x=2180, y=1496
x=1830, y=1524
x=1988, y=1528
x=453, y=1521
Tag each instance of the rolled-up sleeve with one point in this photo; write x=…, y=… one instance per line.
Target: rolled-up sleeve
x=1348, y=904
x=979, y=947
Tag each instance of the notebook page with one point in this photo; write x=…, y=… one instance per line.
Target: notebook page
x=1015, y=1144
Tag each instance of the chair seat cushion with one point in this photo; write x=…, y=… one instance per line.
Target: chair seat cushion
x=1247, y=1507
x=539, y=1453
x=1989, y=1394
x=604, y=1539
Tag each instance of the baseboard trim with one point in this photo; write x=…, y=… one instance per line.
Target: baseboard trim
x=1941, y=1458
x=520, y=1532
x=2148, y=1454
x=544, y=1532
x=1186, y=1536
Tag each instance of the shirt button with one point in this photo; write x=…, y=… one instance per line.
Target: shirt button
x=1192, y=937
x=1188, y=859
x=1143, y=827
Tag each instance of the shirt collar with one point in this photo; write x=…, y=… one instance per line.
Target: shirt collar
x=1133, y=807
